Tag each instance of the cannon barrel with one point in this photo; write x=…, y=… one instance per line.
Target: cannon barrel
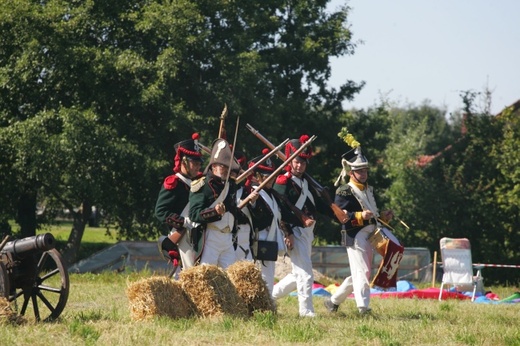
x=26, y=246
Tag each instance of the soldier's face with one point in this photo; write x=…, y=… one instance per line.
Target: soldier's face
x=298, y=166
x=193, y=168
x=360, y=175
x=219, y=170
x=262, y=177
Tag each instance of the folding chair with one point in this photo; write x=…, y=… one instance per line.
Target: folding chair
x=458, y=266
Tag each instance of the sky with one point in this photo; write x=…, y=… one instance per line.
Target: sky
x=418, y=50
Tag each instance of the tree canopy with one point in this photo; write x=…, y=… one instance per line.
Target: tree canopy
x=94, y=95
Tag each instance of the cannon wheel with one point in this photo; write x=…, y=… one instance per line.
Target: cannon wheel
x=48, y=293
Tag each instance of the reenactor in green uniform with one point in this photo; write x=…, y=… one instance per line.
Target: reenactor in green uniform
x=172, y=207
x=295, y=186
x=213, y=205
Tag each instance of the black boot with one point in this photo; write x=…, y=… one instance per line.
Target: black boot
x=331, y=307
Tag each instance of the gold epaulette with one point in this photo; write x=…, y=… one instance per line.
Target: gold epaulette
x=197, y=184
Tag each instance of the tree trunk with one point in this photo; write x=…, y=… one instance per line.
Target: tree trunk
x=26, y=216
x=81, y=217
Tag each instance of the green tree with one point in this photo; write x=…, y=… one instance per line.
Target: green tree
x=97, y=93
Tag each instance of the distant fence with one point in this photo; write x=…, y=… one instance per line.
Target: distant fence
x=332, y=261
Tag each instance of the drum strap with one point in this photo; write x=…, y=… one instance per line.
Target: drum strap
x=365, y=198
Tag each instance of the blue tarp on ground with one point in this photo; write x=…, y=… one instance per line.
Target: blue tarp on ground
x=406, y=289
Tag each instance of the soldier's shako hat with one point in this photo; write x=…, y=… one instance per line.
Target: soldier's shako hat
x=188, y=148
x=294, y=144
x=355, y=159
x=221, y=153
x=266, y=167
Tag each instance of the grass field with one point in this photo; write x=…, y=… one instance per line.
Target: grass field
x=97, y=313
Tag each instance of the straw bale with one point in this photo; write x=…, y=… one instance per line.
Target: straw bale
x=7, y=315
x=158, y=296
x=209, y=287
x=247, y=279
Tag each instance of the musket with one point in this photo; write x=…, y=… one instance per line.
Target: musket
x=277, y=171
x=341, y=216
x=204, y=148
x=252, y=168
x=222, y=130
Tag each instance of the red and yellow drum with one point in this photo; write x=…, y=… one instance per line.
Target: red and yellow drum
x=387, y=245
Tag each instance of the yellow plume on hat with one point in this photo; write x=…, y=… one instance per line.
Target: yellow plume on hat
x=348, y=138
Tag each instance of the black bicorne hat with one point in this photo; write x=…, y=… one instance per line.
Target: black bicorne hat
x=221, y=154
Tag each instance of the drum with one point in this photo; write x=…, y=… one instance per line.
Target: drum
x=387, y=245
x=379, y=238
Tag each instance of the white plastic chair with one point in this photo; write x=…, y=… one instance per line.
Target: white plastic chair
x=458, y=266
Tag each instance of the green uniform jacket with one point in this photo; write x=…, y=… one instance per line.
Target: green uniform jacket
x=202, y=195
x=172, y=199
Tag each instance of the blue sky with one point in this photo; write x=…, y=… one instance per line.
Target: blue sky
x=415, y=50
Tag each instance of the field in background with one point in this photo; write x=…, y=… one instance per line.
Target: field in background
x=94, y=239
x=97, y=313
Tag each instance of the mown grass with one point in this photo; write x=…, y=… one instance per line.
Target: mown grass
x=97, y=313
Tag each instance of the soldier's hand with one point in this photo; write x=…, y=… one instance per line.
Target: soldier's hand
x=253, y=196
x=388, y=215
x=289, y=241
x=309, y=222
x=367, y=214
x=220, y=208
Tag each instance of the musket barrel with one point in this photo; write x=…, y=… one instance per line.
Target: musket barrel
x=338, y=212
x=25, y=246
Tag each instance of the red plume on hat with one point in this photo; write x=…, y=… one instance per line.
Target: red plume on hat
x=189, y=148
x=293, y=145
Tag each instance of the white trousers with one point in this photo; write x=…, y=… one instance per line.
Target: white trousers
x=360, y=257
x=301, y=277
x=243, y=252
x=218, y=249
x=186, y=251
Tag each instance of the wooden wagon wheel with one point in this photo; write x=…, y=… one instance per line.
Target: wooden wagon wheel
x=48, y=293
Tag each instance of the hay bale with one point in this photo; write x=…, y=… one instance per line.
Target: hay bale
x=158, y=296
x=209, y=287
x=7, y=315
x=247, y=279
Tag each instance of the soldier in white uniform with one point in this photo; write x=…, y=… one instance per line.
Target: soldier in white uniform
x=295, y=187
x=356, y=198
